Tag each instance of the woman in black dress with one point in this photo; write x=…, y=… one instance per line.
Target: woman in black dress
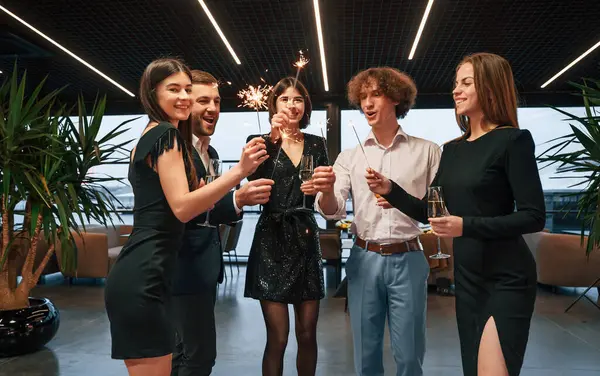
x=284, y=266
x=162, y=177
x=482, y=175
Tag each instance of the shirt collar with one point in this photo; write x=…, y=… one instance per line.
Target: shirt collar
x=201, y=143
x=372, y=140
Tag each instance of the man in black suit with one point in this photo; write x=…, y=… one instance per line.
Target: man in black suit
x=200, y=261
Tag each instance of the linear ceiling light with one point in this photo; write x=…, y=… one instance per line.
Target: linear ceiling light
x=420, y=31
x=571, y=64
x=211, y=18
x=321, y=46
x=67, y=51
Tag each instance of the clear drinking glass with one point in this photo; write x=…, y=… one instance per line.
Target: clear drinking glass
x=214, y=170
x=436, y=207
x=306, y=170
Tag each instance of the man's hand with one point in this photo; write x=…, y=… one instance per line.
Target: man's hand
x=378, y=183
x=256, y=192
x=323, y=179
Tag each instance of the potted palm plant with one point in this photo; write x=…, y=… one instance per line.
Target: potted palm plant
x=45, y=163
x=578, y=155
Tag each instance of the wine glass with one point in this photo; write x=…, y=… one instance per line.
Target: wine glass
x=306, y=172
x=213, y=171
x=436, y=208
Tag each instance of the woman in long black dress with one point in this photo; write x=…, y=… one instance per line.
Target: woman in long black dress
x=162, y=177
x=482, y=175
x=284, y=266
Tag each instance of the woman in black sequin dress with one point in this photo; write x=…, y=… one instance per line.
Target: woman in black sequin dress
x=284, y=266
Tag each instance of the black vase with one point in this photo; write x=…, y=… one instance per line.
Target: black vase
x=28, y=329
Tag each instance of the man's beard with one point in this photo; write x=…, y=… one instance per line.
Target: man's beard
x=199, y=130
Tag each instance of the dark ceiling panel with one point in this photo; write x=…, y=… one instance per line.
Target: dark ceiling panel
x=538, y=37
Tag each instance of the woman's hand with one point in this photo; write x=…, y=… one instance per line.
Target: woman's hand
x=280, y=120
x=308, y=188
x=447, y=227
x=253, y=154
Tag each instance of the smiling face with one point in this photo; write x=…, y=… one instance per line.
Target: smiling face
x=294, y=101
x=465, y=93
x=376, y=106
x=173, y=96
x=205, y=109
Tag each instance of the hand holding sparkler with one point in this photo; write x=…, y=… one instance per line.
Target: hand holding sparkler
x=253, y=154
x=323, y=179
x=255, y=98
x=279, y=124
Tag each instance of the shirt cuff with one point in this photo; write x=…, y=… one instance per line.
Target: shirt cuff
x=237, y=210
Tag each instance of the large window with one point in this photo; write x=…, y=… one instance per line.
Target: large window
x=437, y=125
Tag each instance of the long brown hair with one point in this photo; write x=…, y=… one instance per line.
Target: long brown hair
x=282, y=86
x=155, y=73
x=496, y=91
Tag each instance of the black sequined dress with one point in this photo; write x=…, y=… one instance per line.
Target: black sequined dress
x=285, y=264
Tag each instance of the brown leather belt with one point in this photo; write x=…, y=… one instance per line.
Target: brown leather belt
x=390, y=248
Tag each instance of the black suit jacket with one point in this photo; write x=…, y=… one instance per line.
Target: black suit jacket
x=200, y=259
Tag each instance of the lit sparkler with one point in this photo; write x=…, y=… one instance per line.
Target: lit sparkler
x=301, y=63
x=255, y=98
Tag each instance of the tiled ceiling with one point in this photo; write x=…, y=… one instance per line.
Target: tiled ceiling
x=538, y=37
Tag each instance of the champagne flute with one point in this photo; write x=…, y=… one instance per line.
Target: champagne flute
x=306, y=172
x=213, y=171
x=436, y=207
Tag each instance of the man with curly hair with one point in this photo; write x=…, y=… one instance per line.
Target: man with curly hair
x=387, y=270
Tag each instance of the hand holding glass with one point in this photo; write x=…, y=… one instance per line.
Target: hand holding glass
x=214, y=170
x=436, y=207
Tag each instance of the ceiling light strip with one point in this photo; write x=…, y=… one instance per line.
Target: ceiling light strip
x=321, y=44
x=211, y=18
x=66, y=51
x=571, y=64
x=420, y=31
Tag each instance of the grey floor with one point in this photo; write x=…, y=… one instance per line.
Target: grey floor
x=560, y=344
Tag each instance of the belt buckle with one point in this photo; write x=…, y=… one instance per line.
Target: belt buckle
x=382, y=252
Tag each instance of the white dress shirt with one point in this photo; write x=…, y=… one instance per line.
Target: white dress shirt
x=410, y=161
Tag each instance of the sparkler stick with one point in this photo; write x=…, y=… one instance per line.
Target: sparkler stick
x=359, y=143
x=255, y=98
x=283, y=137
x=325, y=140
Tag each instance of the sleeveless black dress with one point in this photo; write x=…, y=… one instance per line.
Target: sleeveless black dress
x=285, y=263
x=138, y=285
x=495, y=272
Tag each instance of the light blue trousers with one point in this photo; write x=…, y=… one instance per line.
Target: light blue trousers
x=395, y=287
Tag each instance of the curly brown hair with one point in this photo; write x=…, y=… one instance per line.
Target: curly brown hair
x=394, y=84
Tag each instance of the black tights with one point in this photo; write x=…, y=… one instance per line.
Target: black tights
x=277, y=322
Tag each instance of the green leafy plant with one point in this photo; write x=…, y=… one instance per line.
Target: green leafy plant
x=577, y=155
x=45, y=162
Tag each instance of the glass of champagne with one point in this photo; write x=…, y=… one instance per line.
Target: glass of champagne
x=306, y=172
x=214, y=170
x=436, y=207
